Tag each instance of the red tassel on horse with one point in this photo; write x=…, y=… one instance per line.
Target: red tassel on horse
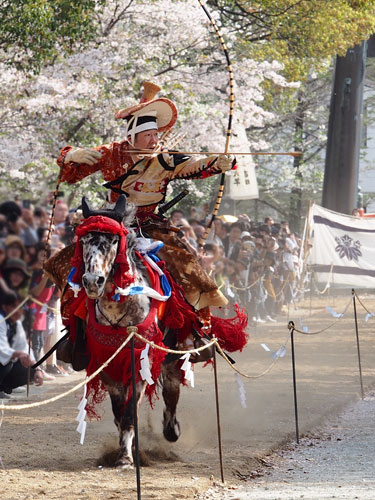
x=231, y=332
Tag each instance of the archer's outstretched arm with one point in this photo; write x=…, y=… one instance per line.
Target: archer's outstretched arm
x=189, y=168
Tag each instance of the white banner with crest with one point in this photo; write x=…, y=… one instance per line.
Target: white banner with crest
x=343, y=245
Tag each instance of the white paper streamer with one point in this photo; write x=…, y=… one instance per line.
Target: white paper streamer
x=368, y=316
x=186, y=367
x=303, y=328
x=333, y=312
x=145, y=371
x=81, y=427
x=241, y=390
x=142, y=290
x=265, y=347
x=280, y=353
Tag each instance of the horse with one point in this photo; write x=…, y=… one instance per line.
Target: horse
x=107, y=254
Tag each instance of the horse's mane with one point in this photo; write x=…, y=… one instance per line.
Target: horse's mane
x=129, y=215
x=131, y=238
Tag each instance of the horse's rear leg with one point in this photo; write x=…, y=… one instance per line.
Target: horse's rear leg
x=171, y=378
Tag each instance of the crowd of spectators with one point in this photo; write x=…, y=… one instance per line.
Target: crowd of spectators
x=25, y=335
x=254, y=264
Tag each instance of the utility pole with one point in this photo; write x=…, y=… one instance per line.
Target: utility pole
x=344, y=129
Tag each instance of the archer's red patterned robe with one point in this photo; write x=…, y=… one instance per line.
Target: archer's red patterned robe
x=145, y=184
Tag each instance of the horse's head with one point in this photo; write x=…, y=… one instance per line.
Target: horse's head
x=102, y=236
x=99, y=252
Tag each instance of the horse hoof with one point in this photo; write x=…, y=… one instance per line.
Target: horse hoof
x=172, y=431
x=124, y=464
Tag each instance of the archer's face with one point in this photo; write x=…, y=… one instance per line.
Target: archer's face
x=148, y=139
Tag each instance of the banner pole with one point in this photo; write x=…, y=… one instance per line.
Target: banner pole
x=357, y=337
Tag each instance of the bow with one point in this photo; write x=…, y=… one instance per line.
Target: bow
x=229, y=126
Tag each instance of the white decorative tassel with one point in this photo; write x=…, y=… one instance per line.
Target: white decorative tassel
x=145, y=366
x=186, y=367
x=241, y=390
x=81, y=428
x=76, y=288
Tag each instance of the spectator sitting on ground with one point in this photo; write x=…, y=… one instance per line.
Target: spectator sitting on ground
x=14, y=357
x=4, y=289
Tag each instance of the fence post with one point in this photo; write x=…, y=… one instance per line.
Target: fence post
x=291, y=328
x=357, y=337
x=218, y=415
x=135, y=416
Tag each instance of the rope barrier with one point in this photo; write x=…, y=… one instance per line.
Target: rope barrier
x=267, y=370
x=21, y=304
x=15, y=310
x=364, y=307
x=43, y=304
x=131, y=329
x=328, y=282
x=173, y=351
x=291, y=324
x=245, y=287
x=212, y=342
x=134, y=332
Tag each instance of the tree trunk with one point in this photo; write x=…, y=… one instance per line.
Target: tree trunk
x=295, y=204
x=344, y=128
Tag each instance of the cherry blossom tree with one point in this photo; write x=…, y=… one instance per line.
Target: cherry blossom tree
x=74, y=99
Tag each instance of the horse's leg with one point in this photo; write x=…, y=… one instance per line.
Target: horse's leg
x=126, y=428
x=124, y=419
x=171, y=378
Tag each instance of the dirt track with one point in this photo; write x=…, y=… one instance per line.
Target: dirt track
x=43, y=459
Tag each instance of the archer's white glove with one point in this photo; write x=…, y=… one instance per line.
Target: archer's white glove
x=225, y=162
x=83, y=155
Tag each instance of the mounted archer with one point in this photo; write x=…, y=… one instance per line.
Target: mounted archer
x=144, y=179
